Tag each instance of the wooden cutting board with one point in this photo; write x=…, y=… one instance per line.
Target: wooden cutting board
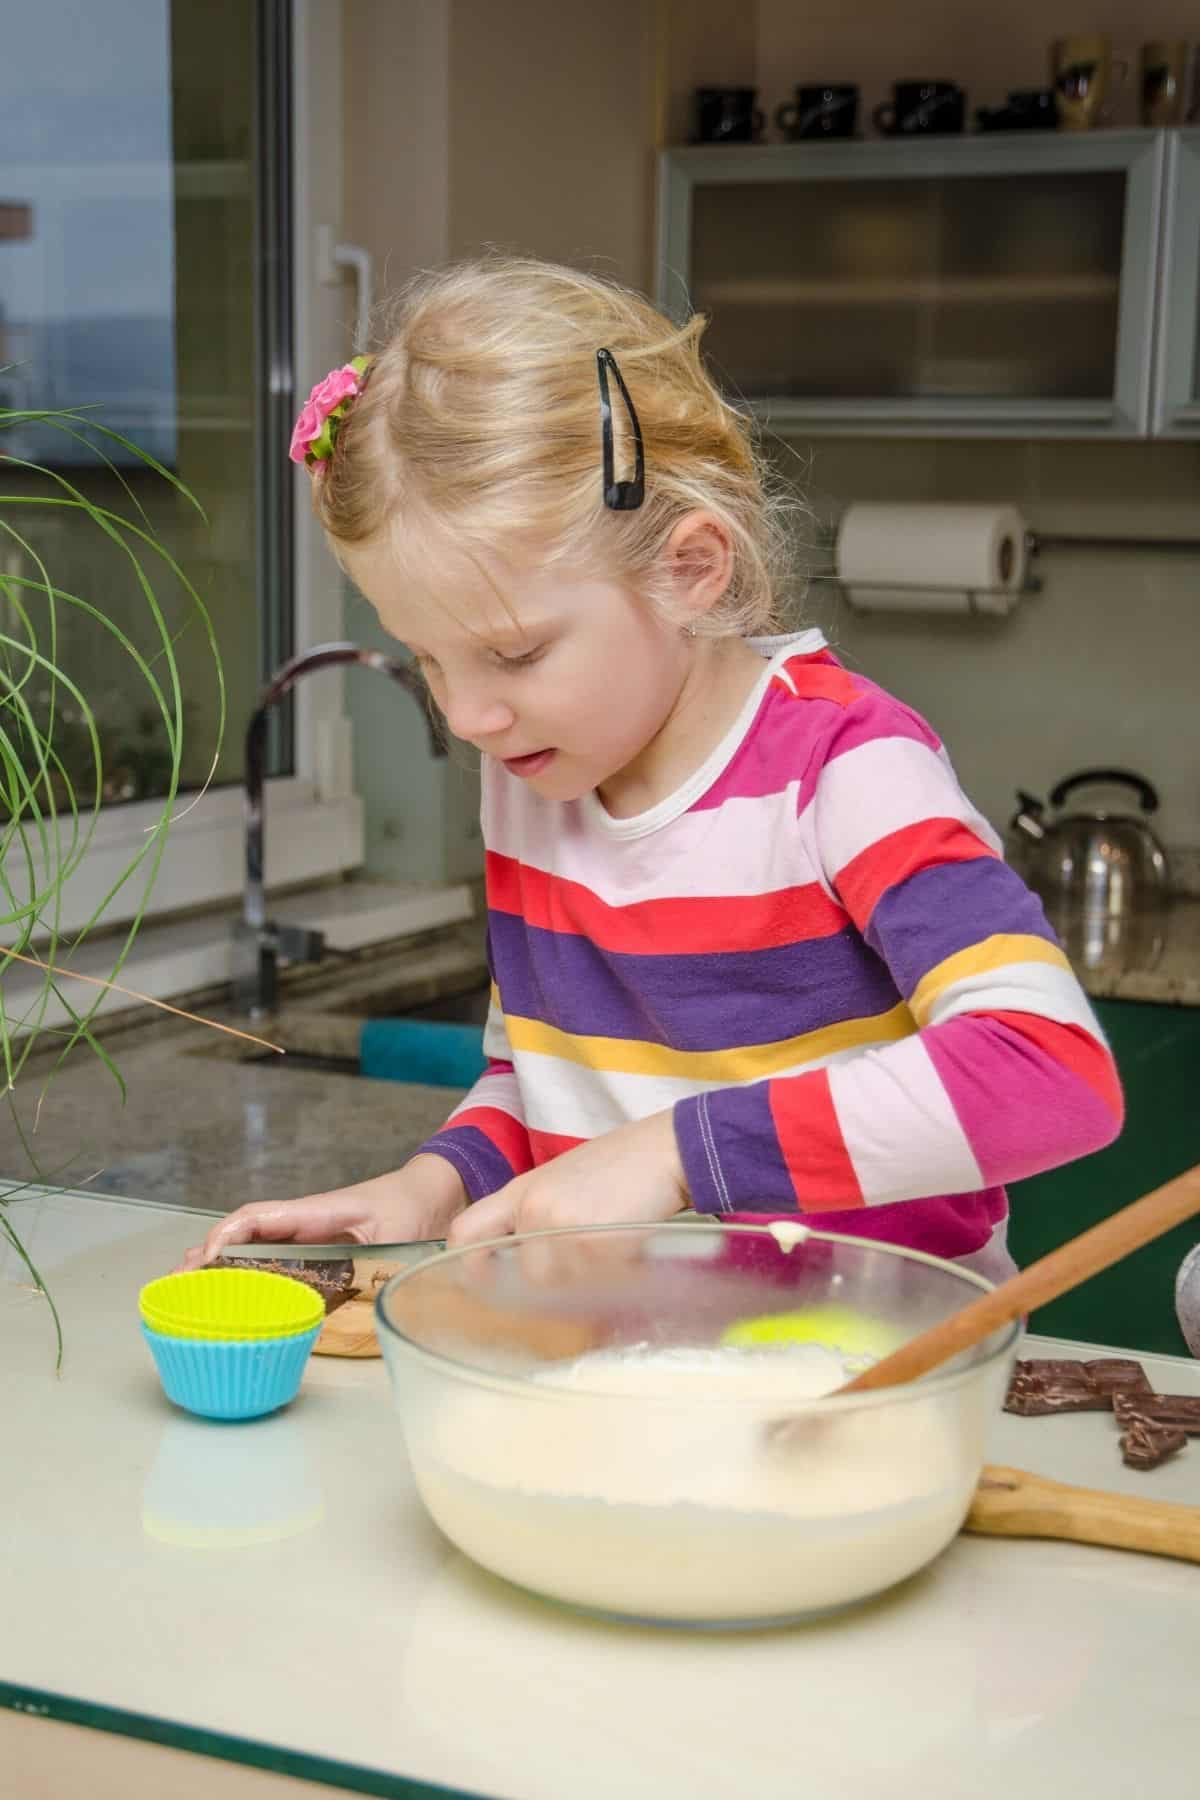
x=349, y=1330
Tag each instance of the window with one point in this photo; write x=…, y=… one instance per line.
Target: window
x=154, y=192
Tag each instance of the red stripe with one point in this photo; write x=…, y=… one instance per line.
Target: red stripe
x=811, y=1143
x=547, y=1145
x=892, y=859
x=1074, y=1048
x=676, y=926
x=816, y=680
x=500, y=1128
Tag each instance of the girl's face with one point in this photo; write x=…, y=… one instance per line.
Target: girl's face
x=570, y=682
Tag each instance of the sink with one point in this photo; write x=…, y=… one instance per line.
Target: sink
x=469, y=1008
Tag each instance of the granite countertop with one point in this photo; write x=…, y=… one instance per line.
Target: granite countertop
x=203, y=1127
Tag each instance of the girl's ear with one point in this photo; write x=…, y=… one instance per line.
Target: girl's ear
x=699, y=555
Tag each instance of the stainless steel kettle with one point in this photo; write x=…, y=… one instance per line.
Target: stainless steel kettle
x=1096, y=863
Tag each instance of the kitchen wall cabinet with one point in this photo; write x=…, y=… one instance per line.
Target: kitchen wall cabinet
x=1177, y=372
x=973, y=286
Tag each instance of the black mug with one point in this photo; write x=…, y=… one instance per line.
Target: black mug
x=727, y=116
x=1026, y=109
x=920, y=108
x=827, y=110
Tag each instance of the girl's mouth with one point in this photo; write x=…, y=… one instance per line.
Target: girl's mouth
x=528, y=765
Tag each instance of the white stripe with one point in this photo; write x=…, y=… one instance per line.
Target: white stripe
x=881, y=787
x=502, y=1091
x=1048, y=991
x=746, y=846
x=573, y=1101
x=899, y=1127
x=495, y=1037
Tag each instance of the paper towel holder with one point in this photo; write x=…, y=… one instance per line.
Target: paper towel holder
x=981, y=602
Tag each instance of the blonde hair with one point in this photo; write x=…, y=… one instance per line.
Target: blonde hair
x=479, y=426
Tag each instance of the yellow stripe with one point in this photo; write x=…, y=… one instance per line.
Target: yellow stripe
x=745, y=1062
x=998, y=952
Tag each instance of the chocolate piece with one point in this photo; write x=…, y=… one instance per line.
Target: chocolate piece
x=1113, y=1373
x=334, y=1281
x=1144, y=1445
x=1181, y=1411
x=1050, y=1385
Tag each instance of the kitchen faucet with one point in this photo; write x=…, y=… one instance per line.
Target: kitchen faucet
x=257, y=942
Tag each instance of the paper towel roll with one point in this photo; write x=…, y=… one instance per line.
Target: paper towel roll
x=931, y=559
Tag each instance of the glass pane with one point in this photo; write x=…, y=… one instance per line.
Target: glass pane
x=996, y=287
x=130, y=237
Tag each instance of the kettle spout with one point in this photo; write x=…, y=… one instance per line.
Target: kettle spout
x=1028, y=816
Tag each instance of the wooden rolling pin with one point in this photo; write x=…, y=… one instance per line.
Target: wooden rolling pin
x=1014, y=1503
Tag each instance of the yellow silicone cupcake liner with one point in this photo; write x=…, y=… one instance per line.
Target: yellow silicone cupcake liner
x=226, y=1305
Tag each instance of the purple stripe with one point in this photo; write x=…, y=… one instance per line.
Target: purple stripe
x=939, y=911
x=730, y=1152
x=474, y=1155
x=689, y=1002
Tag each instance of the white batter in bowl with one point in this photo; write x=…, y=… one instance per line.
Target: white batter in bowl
x=644, y=1475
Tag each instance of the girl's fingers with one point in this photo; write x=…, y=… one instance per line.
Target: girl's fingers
x=491, y=1217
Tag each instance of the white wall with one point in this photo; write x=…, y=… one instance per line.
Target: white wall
x=1101, y=667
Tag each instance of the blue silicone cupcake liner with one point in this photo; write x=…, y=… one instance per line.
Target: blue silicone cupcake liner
x=222, y=1379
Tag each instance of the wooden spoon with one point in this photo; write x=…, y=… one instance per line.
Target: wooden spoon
x=1064, y=1269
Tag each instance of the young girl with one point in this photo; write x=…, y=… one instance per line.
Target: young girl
x=753, y=949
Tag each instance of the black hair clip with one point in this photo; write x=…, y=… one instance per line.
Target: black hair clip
x=619, y=496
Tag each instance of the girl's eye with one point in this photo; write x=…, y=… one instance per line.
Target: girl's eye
x=526, y=659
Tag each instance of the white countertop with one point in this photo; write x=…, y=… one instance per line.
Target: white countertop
x=279, y=1582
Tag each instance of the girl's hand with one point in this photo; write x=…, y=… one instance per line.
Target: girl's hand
x=417, y=1201
x=630, y=1176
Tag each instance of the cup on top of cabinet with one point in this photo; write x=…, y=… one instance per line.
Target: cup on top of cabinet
x=920, y=108
x=727, y=115
x=826, y=109
x=1083, y=72
x=1164, y=82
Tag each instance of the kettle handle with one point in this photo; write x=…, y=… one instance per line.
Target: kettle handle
x=1147, y=794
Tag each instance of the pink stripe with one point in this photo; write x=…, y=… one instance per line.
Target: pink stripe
x=951, y=1226
x=790, y=727
x=775, y=749
x=1021, y=1110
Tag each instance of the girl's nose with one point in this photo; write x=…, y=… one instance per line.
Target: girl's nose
x=475, y=715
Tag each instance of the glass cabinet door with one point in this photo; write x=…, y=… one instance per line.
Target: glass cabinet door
x=1177, y=385
x=966, y=284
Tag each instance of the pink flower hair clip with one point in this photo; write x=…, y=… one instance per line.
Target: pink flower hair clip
x=315, y=431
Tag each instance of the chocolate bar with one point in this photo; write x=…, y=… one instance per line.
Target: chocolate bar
x=1144, y=1445
x=1050, y=1384
x=1179, y=1411
x=1123, y=1373
x=334, y=1281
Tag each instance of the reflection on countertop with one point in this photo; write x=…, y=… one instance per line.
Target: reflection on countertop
x=1153, y=956
x=203, y=1126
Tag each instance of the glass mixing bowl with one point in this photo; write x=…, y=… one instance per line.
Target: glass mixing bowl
x=632, y=1419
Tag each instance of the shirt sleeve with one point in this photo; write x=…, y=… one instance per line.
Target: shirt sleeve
x=485, y=1136
x=1006, y=1073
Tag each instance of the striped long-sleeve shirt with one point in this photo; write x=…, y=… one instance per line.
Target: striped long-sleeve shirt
x=814, y=953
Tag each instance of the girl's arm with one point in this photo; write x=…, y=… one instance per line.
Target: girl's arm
x=485, y=1137
x=1007, y=1073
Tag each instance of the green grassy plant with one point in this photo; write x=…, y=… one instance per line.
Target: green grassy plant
x=52, y=753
